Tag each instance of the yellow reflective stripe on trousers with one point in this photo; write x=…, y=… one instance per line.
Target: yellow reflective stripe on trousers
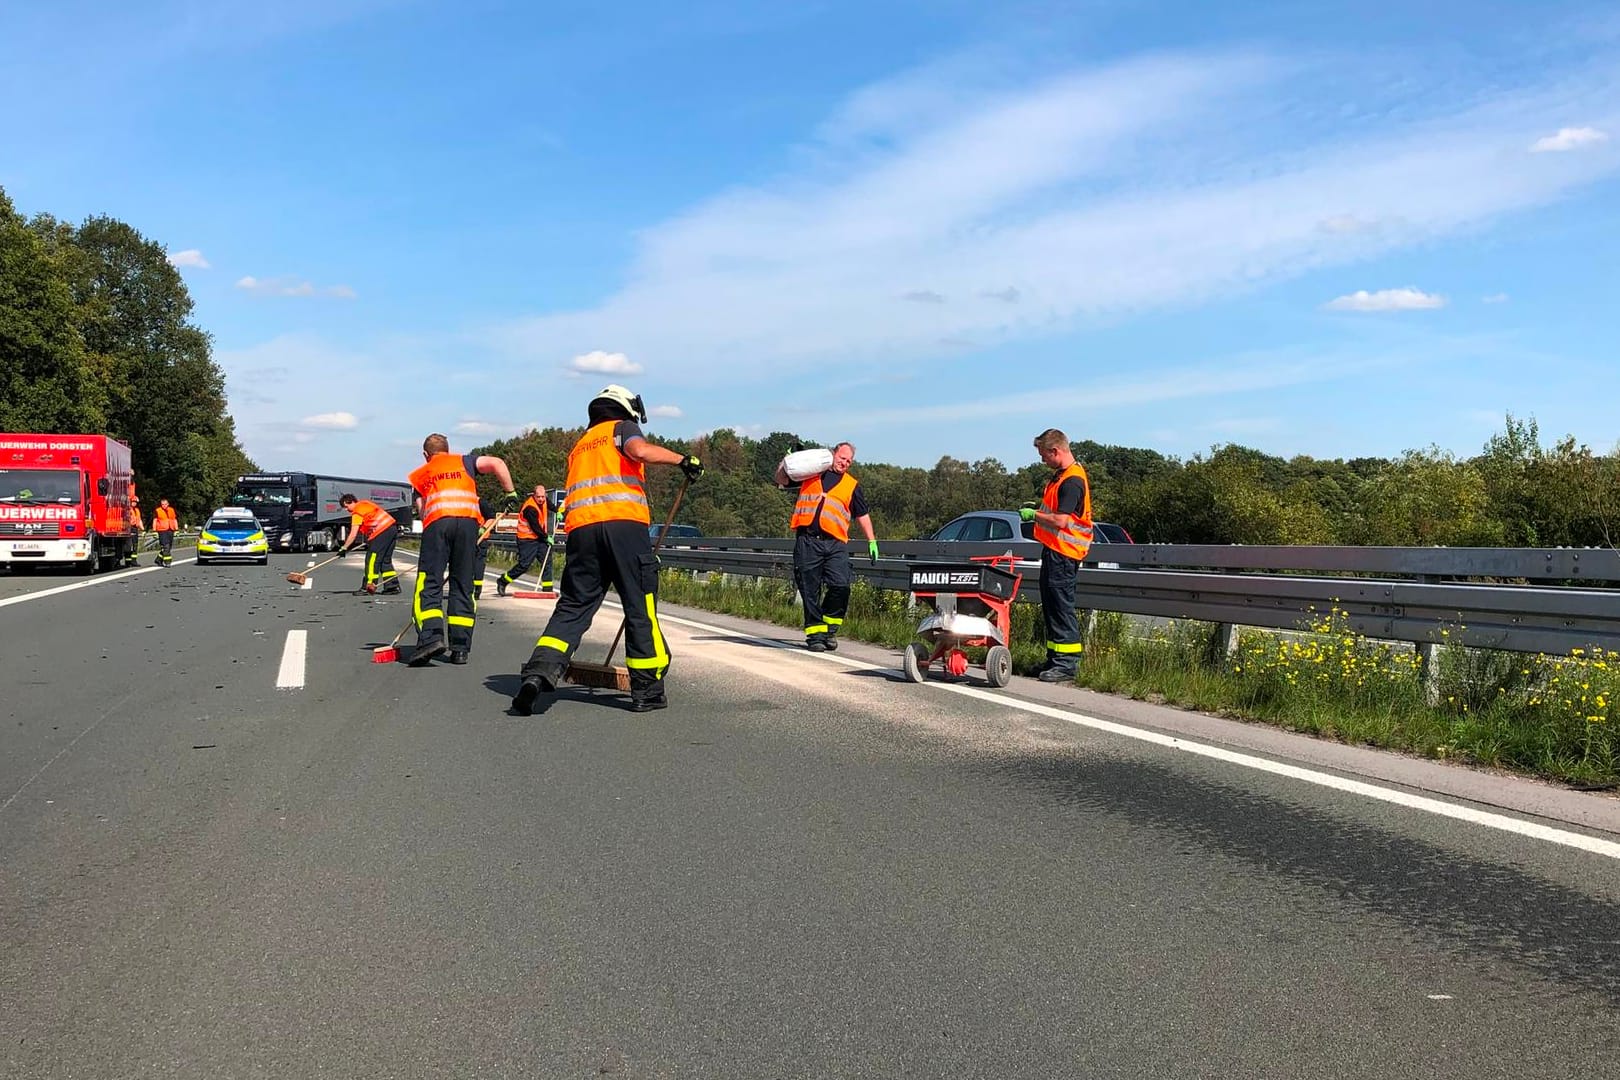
x=422, y=615
x=552, y=643
x=460, y=620
x=819, y=628
x=834, y=622
x=371, y=567
x=1061, y=648
x=660, y=656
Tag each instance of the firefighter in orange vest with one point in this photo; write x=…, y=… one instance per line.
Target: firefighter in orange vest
x=1063, y=526
x=135, y=523
x=447, y=502
x=531, y=537
x=821, y=518
x=608, y=544
x=165, y=522
x=381, y=532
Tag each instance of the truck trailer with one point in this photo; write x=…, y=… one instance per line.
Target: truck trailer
x=65, y=501
x=300, y=511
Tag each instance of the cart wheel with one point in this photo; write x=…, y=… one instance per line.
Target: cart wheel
x=914, y=660
x=998, y=665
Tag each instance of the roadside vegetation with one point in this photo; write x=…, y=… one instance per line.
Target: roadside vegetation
x=1550, y=716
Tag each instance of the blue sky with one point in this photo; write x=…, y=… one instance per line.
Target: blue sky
x=930, y=228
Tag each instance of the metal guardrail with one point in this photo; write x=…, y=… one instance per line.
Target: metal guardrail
x=1551, y=602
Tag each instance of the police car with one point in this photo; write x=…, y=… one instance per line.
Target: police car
x=232, y=532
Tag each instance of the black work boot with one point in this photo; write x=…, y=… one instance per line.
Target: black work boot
x=646, y=693
x=832, y=643
x=390, y=588
x=425, y=651
x=1059, y=673
x=816, y=644
x=500, y=585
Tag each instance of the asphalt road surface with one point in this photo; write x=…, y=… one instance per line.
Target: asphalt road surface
x=232, y=846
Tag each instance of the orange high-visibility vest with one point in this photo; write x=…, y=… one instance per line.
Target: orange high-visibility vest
x=135, y=519
x=524, y=530
x=447, y=490
x=164, y=519
x=369, y=518
x=833, y=505
x=1074, y=540
x=604, y=484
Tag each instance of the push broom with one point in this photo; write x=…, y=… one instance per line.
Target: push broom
x=545, y=564
x=299, y=577
x=608, y=675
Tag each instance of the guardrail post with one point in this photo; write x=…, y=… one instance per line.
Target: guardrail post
x=1088, y=626
x=1227, y=639
x=1429, y=671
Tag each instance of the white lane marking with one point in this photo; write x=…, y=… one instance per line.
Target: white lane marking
x=1595, y=845
x=309, y=583
x=291, y=675
x=121, y=575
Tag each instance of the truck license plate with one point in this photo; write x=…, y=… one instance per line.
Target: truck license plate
x=27, y=547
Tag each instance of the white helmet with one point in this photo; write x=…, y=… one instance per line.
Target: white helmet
x=621, y=396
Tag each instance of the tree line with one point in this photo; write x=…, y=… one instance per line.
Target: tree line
x=1516, y=492
x=96, y=336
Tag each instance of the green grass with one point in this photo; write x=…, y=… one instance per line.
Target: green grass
x=1546, y=716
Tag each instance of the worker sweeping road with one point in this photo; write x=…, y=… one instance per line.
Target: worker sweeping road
x=608, y=544
x=531, y=538
x=380, y=531
x=447, y=497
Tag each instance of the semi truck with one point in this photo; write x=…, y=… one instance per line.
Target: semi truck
x=300, y=511
x=65, y=501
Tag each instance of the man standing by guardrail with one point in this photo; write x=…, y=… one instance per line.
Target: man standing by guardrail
x=165, y=522
x=1063, y=526
x=827, y=503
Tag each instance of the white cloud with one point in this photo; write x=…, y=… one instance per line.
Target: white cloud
x=190, y=257
x=1494, y=298
x=1568, y=139
x=289, y=286
x=669, y=412
x=1407, y=299
x=605, y=363
x=1096, y=194
x=479, y=427
x=332, y=421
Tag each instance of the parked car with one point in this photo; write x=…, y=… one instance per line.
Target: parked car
x=988, y=526
x=677, y=533
x=232, y=532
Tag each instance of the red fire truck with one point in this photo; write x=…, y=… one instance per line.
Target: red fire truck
x=64, y=500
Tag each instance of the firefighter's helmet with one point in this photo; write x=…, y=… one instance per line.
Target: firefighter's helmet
x=622, y=397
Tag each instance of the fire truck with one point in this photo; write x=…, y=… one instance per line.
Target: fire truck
x=64, y=501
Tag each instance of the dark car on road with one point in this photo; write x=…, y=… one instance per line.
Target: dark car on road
x=677, y=535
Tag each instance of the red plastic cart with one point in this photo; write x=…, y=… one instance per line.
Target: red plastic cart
x=972, y=608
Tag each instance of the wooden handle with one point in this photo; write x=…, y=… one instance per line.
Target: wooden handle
x=674, y=508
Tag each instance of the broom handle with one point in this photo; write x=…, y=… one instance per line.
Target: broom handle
x=673, y=510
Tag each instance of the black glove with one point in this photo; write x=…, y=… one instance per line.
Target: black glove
x=691, y=466
x=510, y=501
x=343, y=552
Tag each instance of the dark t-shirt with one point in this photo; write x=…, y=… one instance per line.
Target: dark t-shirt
x=1071, y=495
x=857, y=502
x=624, y=431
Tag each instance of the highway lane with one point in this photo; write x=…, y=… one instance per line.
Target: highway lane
x=801, y=868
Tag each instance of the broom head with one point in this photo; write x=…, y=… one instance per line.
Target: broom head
x=603, y=676
x=384, y=654
x=296, y=578
x=532, y=595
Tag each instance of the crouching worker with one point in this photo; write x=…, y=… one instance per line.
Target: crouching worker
x=381, y=532
x=608, y=544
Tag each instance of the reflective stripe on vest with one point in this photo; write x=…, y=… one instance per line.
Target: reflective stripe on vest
x=369, y=518
x=524, y=530
x=603, y=484
x=833, y=506
x=447, y=490
x=1074, y=540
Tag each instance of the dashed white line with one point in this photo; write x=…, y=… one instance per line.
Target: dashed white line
x=291, y=675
